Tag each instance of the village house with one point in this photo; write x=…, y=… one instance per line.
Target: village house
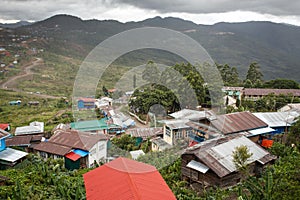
x=34, y=128
x=197, y=126
x=279, y=121
x=86, y=103
x=175, y=129
x=5, y=127
x=241, y=122
x=159, y=144
x=79, y=149
x=233, y=92
x=26, y=142
x=103, y=102
x=257, y=93
x=210, y=163
x=145, y=133
x=8, y=156
x=96, y=126
x=124, y=178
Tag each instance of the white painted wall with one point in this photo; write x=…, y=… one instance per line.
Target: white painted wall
x=97, y=152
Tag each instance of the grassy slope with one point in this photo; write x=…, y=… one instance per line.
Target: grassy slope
x=47, y=111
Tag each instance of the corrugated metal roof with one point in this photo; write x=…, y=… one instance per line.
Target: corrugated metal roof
x=161, y=143
x=76, y=139
x=232, y=88
x=198, y=166
x=224, y=152
x=81, y=152
x=86, y=99
x=237, y=122
x=72, y=156
x=290, y=107
x=264, y=91
x=52, y=148
x=277, y=119
x=217, y=153
x=90, y=125
x=33, y=128
x=145, y=132
x=260, y=131
x=188, y=114
x=23, y=140
x=176, y=123
x=12, y=155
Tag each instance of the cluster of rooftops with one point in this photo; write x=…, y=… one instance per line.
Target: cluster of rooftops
x=207, y=159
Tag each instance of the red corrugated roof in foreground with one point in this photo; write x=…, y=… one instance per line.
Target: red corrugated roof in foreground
x=73, y=156
x=126, y=179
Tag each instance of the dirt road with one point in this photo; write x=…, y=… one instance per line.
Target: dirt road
x=9, y=84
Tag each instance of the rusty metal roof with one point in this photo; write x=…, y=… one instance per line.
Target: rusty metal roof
x=264, y=91
x=52, y=148
x=145, y=132
x=237, y=122
x=23, y=140
x=76, y=139
x=18, y=141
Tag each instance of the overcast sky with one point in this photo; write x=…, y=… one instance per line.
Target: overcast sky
x=198, y=11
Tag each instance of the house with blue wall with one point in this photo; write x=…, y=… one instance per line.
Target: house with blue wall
x=279, y=121
x=86, y=103
x=8, y=156
x=3, y=136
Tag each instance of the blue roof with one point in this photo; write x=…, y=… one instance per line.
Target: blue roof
x=81, y=152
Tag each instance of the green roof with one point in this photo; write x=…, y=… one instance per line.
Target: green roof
x=91, y=125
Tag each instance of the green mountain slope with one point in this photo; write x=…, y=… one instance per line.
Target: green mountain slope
x=276, y=47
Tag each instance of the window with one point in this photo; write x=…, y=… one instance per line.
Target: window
x=178, y=134
x=168, y=131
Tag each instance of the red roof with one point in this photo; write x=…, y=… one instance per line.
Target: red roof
x=4, y=126
x=192, y=143
x=85, y=99
x=126, y=179
x=73, y=156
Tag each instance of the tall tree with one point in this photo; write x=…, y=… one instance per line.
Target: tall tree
x=230, y=75
x=254, y=74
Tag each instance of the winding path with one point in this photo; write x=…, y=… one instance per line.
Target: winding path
x=8, y=84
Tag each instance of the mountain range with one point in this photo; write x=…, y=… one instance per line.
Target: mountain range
x=275, y=47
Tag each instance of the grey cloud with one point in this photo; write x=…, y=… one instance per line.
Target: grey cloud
x=41, y=9
x=274, y=7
